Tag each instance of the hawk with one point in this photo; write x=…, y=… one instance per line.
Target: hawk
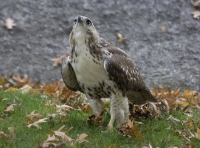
x=101, y=70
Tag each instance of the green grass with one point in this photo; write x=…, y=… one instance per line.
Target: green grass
x=157, y=132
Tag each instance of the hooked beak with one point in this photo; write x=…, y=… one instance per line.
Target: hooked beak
x=80, y=19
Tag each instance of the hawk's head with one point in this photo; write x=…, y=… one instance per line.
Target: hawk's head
x=83, y=30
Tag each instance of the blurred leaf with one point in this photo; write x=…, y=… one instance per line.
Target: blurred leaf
x=196, y=14
x=36, y=123
x=59, y=60
x=10, y=108
x=9, y=23
x=61, y=134
x=81, y=138
x=120, y=38
x=198, y=133
x=33, y=116
x=12, y=131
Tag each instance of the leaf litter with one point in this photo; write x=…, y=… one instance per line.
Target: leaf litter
x=65, y=100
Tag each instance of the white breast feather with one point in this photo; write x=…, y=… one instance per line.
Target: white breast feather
x=87, y=71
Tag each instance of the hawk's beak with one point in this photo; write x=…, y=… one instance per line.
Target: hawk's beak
x=80, y=19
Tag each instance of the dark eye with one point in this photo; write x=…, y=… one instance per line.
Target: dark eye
x=88, y=22
x=75, y=21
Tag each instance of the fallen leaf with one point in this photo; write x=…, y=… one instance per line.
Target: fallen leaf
x=33, y=115
x=5, y=136
x=198, y=133
x=12, y=131
x=64, y=107
x=120, y=38
x=95, y=120
x=61, y=134
x=85, y=108
x=59, y=60
x=81, y=138
x=10, y=108
x=196, y=3
x=188, y=122
x=164, y=29
x=9, y=23
x=131, y=130
x=196, y=14
x=51, y=141
x=26, y=88
x=53, y=89
x=37, y=122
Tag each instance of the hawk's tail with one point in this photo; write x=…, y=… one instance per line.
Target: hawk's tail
x=140, y=97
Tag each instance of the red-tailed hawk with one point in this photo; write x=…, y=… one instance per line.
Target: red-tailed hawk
x=101, y=70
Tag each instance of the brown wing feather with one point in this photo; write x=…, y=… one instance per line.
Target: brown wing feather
x=122, y=70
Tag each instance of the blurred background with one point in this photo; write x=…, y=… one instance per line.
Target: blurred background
x=161, y=37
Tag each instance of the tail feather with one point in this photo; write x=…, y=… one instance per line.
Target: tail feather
x=140, y=97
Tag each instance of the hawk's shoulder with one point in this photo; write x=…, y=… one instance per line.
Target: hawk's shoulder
x=111, y=48
x=120, y=68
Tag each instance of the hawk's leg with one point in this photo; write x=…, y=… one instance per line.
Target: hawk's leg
x=119, y=109
x=96, y=105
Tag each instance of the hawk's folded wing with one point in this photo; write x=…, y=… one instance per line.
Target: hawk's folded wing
x=69, y=76
x=122, y=71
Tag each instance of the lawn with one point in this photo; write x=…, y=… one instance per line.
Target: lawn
x=178, y=128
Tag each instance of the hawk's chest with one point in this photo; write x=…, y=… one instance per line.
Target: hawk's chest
x=88, y=68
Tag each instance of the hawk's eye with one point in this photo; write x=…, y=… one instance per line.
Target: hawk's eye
x=75, y=21
x=88, y=22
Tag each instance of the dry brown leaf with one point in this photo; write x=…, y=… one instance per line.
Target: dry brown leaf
x=51, y=141
x=64, y=107
x=53, y=89
x=131, y=130
x=198, y=133
x=120, y=38
x=21, y=80
x=196, y=3
x=37, y=122
x=95, y=120
x=12, y=131
x=50, y=103
x=61, y=134
x=85, y=108
x=164, y=29
x=25, y=89
x=52, y=115
x=81, y=138
x=3, y=135
x=59, y=60
x=10, y=108
x=9, y=23
x=189, y=122
x=196, y=14
x=33, y=115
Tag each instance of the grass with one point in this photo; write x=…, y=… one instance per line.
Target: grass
x=157, y=132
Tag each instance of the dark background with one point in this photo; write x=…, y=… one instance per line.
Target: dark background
x=169, y=58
